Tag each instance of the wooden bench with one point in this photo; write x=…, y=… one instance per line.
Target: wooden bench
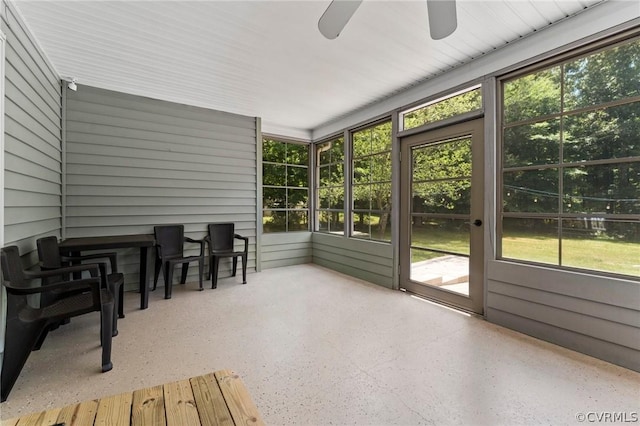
x=218, y=398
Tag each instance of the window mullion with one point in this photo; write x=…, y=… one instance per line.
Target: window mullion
x=561, y=164
x=347, y=183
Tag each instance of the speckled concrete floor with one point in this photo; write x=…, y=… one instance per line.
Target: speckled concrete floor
x=317, y=347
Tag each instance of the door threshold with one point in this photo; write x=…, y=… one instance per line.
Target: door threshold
x=442, y=304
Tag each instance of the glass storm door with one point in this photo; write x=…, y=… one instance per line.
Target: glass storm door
x=441, y=238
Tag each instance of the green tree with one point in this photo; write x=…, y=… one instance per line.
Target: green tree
x=446, y=108
x=330, y=184
x=372, y=179
x=608, y=132
x=562, y=117
x=285, y=182
x=441, y=173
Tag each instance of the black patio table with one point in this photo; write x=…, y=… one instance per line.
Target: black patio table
x=74, y=247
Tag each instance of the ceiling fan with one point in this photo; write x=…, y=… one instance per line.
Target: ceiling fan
x=442, y=17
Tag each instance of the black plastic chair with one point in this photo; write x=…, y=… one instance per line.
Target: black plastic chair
x=50, y=258
x=221, y=237
x=27, y=327
x=170, y=241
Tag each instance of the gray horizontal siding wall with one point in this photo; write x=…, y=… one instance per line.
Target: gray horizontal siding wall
x=32, y=163
x=594, y=315
x=33, y=156
x=134, y=162
x=286, y=249
x=367, y=260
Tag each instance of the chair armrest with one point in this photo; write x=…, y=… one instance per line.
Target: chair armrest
x=200, y=242
x=158, y=248
x=245, y=239
x=101, y=267
x=112, y=256
x=92, y=268
x=191, y=240
x=92, y=284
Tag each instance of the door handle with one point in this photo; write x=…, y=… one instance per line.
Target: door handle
x=476, y=222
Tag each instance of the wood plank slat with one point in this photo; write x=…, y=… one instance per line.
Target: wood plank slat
x=44, y=418
x=238, y=399
x=179, y=404
x=212, y=407
x=115, y=410
x=50, y=417
x=218, y=398
x=148, y=407
x=79, y=414
x=30, y=419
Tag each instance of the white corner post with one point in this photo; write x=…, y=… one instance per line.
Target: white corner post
x=3, y=40
x=258, y=194
x=3, y=297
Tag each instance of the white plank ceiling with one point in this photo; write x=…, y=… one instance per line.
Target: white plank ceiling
x=267, y=58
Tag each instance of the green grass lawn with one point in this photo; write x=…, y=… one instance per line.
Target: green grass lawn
x=621, y=257
x=606, y=255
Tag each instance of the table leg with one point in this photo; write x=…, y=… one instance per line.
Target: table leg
x=144, y=277
x=76, y=275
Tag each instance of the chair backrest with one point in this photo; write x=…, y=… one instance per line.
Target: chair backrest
x=49, y=256
x=12, y=271
x=13, y=275
x=221, y=235
x=49, y=253
x=170, y=238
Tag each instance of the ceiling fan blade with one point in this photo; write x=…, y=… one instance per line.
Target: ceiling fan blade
x=442, y=18
x=336, y=16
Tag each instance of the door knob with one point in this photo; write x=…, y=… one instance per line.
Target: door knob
x=477, y=222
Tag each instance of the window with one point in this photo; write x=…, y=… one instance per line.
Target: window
x=443, y=108
x=285, y=186
x=330, y=186
x=571, y=163
x=371, y=182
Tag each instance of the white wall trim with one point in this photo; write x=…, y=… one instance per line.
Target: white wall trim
x=258, y=194
x=3, y=40
x=63, y=163
x=286, y=131
x=3, y=295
